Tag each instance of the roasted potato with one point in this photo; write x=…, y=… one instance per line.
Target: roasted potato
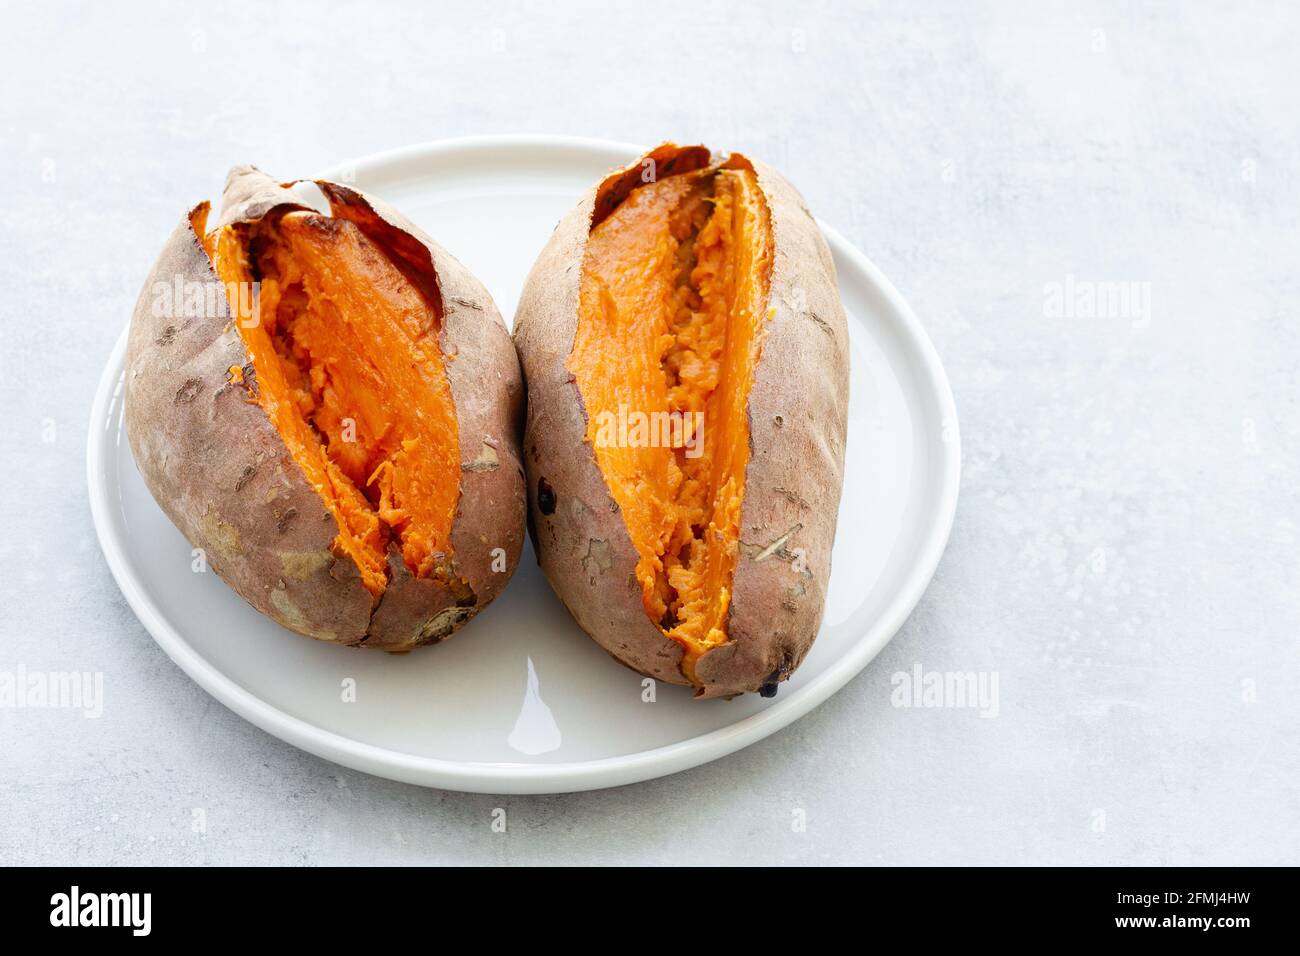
x=686, y=358
x=336, y=425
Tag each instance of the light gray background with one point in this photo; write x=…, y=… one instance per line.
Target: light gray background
x=1124, y=556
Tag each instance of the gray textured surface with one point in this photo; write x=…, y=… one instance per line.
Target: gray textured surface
x=1125, y=551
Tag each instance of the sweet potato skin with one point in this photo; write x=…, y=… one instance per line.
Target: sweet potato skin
x=222, y=474
x=797, y=408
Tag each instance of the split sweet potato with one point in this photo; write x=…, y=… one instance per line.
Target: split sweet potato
x=337, y=429
x=686, y=358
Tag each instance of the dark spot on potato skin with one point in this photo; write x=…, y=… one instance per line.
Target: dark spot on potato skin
x=188, y=392
x=769, y=687
x=167, y=337
x=282, y=522
x=245, y=477
x=546, y=500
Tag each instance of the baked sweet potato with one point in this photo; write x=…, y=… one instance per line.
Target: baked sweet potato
x=686, y=358
x=337, y=426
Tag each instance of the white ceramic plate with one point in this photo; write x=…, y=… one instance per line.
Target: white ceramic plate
x=522, y=701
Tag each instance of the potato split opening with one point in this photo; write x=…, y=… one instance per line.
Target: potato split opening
x=673, y=303
x=349, y=370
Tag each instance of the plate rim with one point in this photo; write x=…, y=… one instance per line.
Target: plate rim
x=565, y=777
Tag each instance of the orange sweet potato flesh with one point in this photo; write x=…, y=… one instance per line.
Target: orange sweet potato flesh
x=348, y=369
x=672, y=306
